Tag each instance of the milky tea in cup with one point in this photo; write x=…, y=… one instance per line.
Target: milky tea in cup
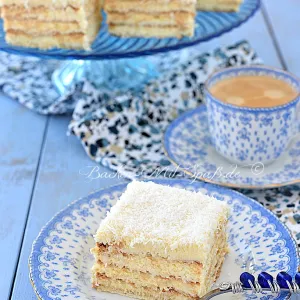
x=252, y=112
x=254, y=91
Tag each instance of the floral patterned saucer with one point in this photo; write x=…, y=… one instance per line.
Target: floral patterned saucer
x=60, y=261
x=187, y=144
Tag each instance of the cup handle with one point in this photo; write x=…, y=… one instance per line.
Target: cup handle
x=297, y=129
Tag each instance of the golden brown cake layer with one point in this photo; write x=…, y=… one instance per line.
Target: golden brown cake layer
x=181, y=19
x=148, y=6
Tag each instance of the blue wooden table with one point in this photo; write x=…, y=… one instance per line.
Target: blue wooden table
x=40, y=166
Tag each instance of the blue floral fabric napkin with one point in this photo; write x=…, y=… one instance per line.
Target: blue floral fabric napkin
x=125, y=132
x=28, y=80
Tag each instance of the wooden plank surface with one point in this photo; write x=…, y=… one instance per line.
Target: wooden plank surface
x=58, y=183
x=284, y=18
x=20, y=144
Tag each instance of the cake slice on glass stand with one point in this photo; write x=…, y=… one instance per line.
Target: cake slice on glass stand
x=111, y=62
x=154, y=18
x=47, y=24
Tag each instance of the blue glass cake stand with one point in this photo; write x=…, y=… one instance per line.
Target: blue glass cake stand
x=118, y=62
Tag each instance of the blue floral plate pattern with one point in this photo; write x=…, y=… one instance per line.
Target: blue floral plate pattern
x=60, y=261
x=188, y=145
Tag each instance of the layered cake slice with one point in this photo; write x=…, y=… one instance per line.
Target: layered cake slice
x=219, y=5
x=151, y=18
x=51, y=23
x=160, y=242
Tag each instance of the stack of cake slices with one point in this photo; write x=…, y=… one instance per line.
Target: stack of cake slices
x=51, y=24
x=219, y=5
x=151, y=18
x=160, y=242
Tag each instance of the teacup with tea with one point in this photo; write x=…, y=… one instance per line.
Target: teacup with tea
x=252, y=112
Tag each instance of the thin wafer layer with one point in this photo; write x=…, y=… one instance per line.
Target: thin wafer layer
x=154, y=18
x=150, y=280
x=41, y=13
x=144, y=279
x=156, y=266
x=57, y=40
x=149, y=6
x=219, y=5
x=190, y=271
x=180, y=19
x=127, y=288
x=48, y=3
x=40, y=28
x=74, y=41
x=150, y=31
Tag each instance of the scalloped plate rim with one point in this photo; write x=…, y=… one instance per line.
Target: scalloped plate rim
x=228, y=185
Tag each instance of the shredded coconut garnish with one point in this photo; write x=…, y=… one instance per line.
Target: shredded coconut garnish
x=164, y=217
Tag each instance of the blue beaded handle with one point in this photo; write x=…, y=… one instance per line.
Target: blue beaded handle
x=264, y=283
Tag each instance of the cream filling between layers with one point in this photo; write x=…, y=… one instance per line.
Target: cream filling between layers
x=185, y=252
x=56, y=40
x=189, y=271
x=46, y=35
x=141, y=279
x=126, y=287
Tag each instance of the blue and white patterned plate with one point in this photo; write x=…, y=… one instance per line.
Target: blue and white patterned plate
x=208, y=25
x=187, y=144
x=60, y=261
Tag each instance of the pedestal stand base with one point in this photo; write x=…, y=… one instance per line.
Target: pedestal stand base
x=121, y=74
